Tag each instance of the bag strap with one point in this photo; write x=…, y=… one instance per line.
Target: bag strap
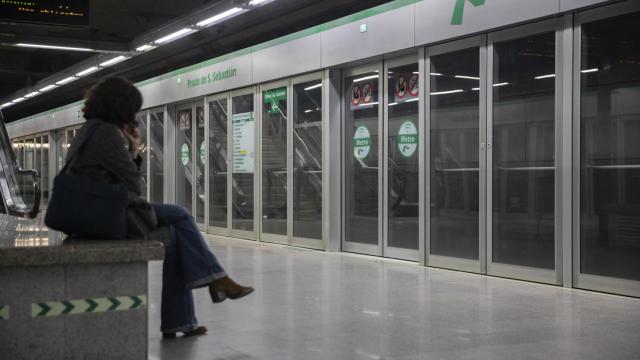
x=90, y=132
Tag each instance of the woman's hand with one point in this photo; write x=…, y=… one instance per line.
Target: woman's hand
x=135, y=139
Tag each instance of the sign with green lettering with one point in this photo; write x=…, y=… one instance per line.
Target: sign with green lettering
x=273, y=98
x=407, y=139
x=185, y=154
x=361, y=143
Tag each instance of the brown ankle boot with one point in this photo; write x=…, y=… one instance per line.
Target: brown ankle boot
x=226, y=288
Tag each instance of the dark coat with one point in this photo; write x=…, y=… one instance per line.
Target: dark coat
x=106, y=158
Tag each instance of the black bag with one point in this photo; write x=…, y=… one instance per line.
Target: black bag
x=83, y=207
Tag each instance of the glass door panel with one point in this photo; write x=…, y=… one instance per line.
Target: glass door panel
x=454, y=154
x=141, y=118
x=156, y=156
x=274, y=161
x=362, y=162
x=45, y=170
x=403, y=159
x=307, y=160
x=523, y=160
x=218, y=162
x=243, y=137
x=610, y=152
x=200, y=154
x=184, y=165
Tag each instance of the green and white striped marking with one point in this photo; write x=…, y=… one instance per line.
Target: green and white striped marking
x=5, y=313
x=85, y=306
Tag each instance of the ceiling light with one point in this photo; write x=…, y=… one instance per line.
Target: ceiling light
x=393, y=104
x=6, y=104
x=87, y=71
x=144, y=47
x=115, y=60
x=545, y=76
x=500, y=84
x=365, y=78
x=313, y=87
x=256, y=2
x=220, y=16
x=589, y=70
x=53, y=47
x=447, y=92
x=15, y=101
x=31, y=94
x=66, y=80
x=435, y=74
x=466, y=77
x=175, y=35
x=47, y=88
x=475, y=89
x=308, y=111
x=412, y=100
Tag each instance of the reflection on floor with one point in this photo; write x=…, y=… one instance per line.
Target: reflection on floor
x=316, y=305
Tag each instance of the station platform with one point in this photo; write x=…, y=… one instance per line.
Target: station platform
x=320, y=305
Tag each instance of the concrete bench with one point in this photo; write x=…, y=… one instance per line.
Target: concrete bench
x=72, y=299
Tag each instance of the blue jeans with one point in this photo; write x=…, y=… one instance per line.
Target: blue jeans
x=188, y=264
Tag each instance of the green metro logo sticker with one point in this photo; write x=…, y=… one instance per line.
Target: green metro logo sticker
x=458, y=10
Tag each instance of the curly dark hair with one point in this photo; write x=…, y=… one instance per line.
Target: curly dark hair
x=115, y=100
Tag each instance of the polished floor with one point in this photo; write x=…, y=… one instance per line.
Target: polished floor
x=316, y=305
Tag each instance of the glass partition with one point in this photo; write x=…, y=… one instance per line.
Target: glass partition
x=156, y=156
x=307, y=160
x=141, y=118
x=523, y=173
x=403, y=156
x=218, y=162
x=243, y=137
x=362, y=122
x=274, y=161
x=44, y=175
x=184, y=165
x=200, y=154
x=455, y=160
x=609, y=148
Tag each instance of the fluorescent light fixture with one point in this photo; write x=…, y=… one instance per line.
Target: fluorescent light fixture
x=545, y=76
x=416, y=73
x=32, y=94
x=66, y=80
x=447, y=92
x=308, y=111
x=366, y=78
x=222, y=15
x=15, y=101
x=53, y=47
x=369, y=104
x=256, y=2
x=47, y=88
x=6, y=104
x=412, y=100
x=144, y=47
x=500, y=84
x=115, y=60
x=466, y=77
x=87, y=71
x=175, y=35
x=586, y=71
x=393, y=104
x=435, y=74
x=475, y=89
x=313, y=87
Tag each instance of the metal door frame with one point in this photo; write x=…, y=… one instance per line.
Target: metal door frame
x=389, y=251
x=516, y=271
x=582, y=280
x=243, y=234
x=217, y=230
x=154, y=110
x=449, y=262
x=346, y=150
x=296, y=240
x=273, y=238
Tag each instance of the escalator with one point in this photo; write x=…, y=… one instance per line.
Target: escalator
x=19, y=189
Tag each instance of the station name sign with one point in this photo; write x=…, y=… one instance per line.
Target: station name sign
x=212, y=77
